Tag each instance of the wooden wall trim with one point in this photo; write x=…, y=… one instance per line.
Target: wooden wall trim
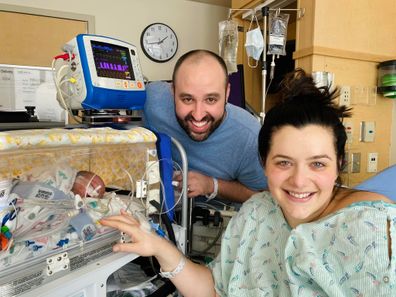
x=225, y=3
x=337, y=53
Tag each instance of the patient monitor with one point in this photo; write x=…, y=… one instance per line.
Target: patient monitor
x=99, y=73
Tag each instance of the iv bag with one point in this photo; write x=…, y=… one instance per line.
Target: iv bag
x=228, y=44
x=277, y=33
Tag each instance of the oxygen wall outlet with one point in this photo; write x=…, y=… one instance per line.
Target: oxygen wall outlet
x=349, y=131
x=345, y=95
x=367, y=131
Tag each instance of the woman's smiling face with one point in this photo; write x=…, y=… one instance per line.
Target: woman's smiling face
x=301, y=168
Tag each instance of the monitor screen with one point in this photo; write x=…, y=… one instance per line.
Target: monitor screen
x=112, y=61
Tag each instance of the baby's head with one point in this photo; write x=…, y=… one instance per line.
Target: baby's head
x=88, y=184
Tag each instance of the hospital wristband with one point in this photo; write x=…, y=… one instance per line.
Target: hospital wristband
x=176, y=271
x=215, y=190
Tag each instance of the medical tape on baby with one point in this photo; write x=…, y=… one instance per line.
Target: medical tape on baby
x=93, y=192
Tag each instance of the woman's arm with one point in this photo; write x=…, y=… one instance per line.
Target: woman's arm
x=193, y=280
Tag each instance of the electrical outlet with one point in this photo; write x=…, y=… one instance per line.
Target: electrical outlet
x=345, y=96
x=372, y=162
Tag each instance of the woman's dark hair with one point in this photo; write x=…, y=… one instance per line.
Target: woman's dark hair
x=302, y=104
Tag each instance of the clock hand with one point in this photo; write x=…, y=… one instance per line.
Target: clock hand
x=162, y=40
x=159, y=41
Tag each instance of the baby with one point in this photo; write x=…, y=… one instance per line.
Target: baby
x=60, y=182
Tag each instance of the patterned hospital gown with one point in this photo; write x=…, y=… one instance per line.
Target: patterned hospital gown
x=343, y=254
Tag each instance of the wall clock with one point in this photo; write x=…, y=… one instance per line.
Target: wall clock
x=159, y=42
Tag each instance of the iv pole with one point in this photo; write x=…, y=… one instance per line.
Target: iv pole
x=265, y=13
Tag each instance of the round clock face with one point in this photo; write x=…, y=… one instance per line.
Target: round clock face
x=159, y=42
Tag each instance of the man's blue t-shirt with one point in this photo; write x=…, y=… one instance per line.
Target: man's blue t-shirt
x=229, y=153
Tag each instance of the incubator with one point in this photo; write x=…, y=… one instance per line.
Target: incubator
x=56, y=233
x=56, y=184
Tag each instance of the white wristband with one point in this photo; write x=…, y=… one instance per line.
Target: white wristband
x=178, y=269
x=215, y=190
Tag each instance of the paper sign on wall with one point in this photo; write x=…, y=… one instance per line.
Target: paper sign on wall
x=22, y=86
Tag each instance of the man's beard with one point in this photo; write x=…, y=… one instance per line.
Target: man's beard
x=201, y=136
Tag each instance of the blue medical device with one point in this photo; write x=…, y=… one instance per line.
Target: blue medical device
x=102, y=73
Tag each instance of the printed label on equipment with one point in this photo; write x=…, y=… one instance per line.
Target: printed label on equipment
x=277, y=40
x=22, y=285
x=42, y=193
x=86, y=258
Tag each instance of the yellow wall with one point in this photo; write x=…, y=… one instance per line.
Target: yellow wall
x=349, y=38
x=23, y=49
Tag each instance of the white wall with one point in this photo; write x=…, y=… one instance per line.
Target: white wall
x=196, y=24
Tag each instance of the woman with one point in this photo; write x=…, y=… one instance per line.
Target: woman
x=307, y=236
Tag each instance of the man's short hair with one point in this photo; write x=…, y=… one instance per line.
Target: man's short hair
x=196, y=55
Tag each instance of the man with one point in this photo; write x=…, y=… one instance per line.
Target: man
x=220, y=139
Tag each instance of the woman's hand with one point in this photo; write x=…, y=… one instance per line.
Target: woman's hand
x=192, y=280
x=143, y=242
